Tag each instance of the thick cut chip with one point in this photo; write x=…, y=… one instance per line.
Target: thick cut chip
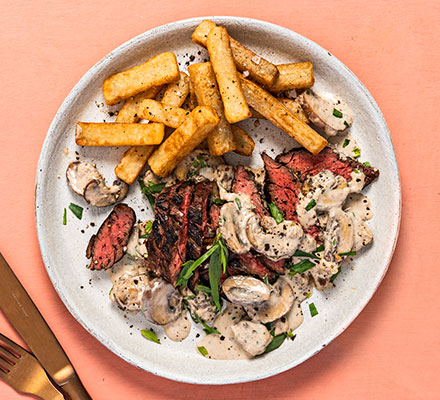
x=183, y=140
x=115, y=134
x=157, y=71
x=234, y=102
x=293, y=76
x=132, y=162
x=268, y=106
x=128, y=113
x=176, y=93
x=245, y=144
x=220, y=139
x=295, y=108
x=154, y=111
x=259, y=69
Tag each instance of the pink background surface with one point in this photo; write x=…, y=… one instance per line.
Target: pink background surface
x=392, y=350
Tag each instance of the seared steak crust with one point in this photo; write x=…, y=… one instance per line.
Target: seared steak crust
x=249, y=264
x=107, y=246
x=303, y=163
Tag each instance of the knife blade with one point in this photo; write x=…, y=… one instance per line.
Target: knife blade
x=29, y=323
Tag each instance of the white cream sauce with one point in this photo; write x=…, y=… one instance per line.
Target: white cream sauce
x=179, y=329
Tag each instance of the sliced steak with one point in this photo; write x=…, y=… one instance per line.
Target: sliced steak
x=282, y=187
x=166, y=245
x=197, y=219
x=249, y=264
x=303, y=163
x=107, y=246
x=244, y=182
x=213, y=216
x=275, y=266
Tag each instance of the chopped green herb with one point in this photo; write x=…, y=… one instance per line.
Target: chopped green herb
x=276, y=213
x=276, y=342
x=367, y=164
x=148, y=228
x=335, y=275
x=195, y=163
x=150, y=335
x=202, y=288
x=357, y=152
x=224, y=253
x=290, y=335
x=65, y=217
x=346, y=124
x=77, y=210
x=348, y=253
x=272, y=331
x=191, y=297
x=308, y=91
x=218, y=201
x=192, y=173
x=111, y=290
x=356, y=171
x=309, y=295
x=346, y=143
x=266, y=280
x=238, y=202
x=202, y=162
x=313, y=310
x=300, y=253
x=319, y=248
x=206, y=328
x=151, y=189
x=312, y=203
x=299, y=268
x=337, y=113
x=202, y=351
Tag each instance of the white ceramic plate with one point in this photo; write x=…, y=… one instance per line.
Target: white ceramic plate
x=85, y=292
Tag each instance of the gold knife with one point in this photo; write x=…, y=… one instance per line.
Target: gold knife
x=27, y=320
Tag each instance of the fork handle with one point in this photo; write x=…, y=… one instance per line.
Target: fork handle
x=75, y=389
x=48, y=392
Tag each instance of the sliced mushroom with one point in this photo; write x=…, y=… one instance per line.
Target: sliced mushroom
x=201, y=304
x=339, y=234
x=326, y=111
x=80, y=174
x=252, y=336
x=279, y=303
x=280, y=325
x=128, y=290
x=245, y=290
x=84, y=179
x=322, y=274
x=161, y=302
x=99, y=195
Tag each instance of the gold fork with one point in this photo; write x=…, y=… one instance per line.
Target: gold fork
x=23, y=372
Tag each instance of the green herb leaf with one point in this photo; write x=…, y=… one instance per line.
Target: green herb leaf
x=276, y=213
x=202, y=351
x=312, y=203
x=146, y=191
x=150, y=335
x=224, y=253
x=155, y=188
x=313, y=310
x=356, y=171
x=266, y=280
x=357, y=152
x=215, y=270
x=202, y=162
x=192, y=173
x=218, y=201
x=334, y=276
x=346, y=124
x=299, y=268
x=276, y=342
x=319, y=248
x=337, y=113
x=300, y=253
x=238, y=202
x=206, y=328
x=77, y=210
x=65, y=217
x=290, y=335
x=367, y=164
x=195, y=163
x=148, y=226
x=348, y=253
x=202, y=288
x=346, y=143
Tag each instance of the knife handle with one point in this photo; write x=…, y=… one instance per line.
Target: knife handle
x=75, y=389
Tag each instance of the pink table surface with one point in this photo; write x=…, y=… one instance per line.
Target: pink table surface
x=392, y=350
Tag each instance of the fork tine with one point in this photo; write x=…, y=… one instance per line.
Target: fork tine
x=14, y=346
x=3, y=370
x=6, y=356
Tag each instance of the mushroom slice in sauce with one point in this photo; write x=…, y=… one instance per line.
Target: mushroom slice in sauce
x=339, y=234
x=201, y=304
x=127, y=291
x=279, y=303
x=322, y=274
x=245, y=290
x=161, y=302
x=252, y=336
x=80, y=174
x=326, y=111
x=99, y=195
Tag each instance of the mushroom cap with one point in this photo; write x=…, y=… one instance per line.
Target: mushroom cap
x=252, y=336
x=99, y=195
x=79, y=174
x=161, y=302
x=280, y=302
x=245, y=290
x=127, y=291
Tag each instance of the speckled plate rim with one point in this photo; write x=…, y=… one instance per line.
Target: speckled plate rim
x=86, y=79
